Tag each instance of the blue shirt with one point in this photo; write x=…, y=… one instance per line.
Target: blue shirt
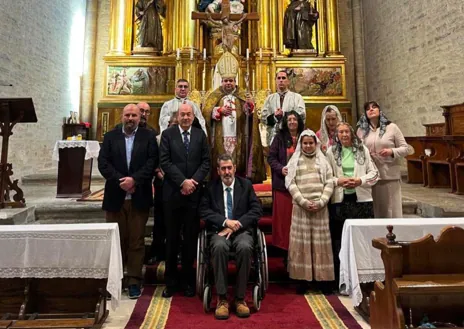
x=129, y=147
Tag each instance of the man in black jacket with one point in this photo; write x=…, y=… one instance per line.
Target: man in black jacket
x=231, y=210
x=184, y=159
x=127, y=160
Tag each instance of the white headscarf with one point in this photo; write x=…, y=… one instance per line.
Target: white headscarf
x=292, y=165
x=324, y=131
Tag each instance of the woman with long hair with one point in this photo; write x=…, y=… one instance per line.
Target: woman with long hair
x=354, y=175
x=310, y=183
x=387, y=146
x=282, y=148
x=330, y=118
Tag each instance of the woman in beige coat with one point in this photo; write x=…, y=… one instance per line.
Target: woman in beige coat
x=387, y=146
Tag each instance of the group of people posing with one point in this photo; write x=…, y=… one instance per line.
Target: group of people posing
x=321, y=179
x=318, y=180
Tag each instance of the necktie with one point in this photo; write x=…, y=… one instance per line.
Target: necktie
x=229, y=203
x=282, y=97
x=186, y=140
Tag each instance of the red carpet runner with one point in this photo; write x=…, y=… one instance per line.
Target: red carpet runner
x=281, y=308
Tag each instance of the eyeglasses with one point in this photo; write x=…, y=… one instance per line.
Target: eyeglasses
x=182, y=86
x=146, y=112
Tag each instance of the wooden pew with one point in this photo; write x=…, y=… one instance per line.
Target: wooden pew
x=52, y=303
x=421, y=277
x=416, y=162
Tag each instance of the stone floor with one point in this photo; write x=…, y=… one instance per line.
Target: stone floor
x=40, y=192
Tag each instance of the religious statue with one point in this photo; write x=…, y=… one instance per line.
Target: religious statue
x=232, y=125
x=229, y=30
x=148, y=14
x=214, y=6
x=300, y=16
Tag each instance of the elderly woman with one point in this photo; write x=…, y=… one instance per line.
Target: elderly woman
x=354, y=175
x=310, y=183
x=387, y=146
x=282, y=148
x=330, y=118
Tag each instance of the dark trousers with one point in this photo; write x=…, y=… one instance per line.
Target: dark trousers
x=242, y=243
x=131, y=224
x=339, y=212
x=181, y=217
x=158, y=245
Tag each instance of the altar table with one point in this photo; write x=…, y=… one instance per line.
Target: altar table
x=84, y=251
x=361, y=263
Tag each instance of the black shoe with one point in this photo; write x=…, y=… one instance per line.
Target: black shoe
x=302, y=288
x=134, y=291
x=189, y=291
x=168, y=292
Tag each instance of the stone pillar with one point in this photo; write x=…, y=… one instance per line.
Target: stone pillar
x=120, y=36
x=333, y=46
x=359, y=63
x=90, y=46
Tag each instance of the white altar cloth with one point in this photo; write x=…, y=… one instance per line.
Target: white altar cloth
x=361, y=263
x=92, y=148
x=63, y=251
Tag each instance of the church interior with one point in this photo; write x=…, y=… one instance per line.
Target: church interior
x=70, y=67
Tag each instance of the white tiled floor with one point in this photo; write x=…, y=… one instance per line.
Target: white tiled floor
x=119, y=319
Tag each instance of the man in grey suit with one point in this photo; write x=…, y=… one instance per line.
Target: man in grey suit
x=231, y=210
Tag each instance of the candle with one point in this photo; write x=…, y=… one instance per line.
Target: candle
x=261, y=53
x=204, y=54
x=254, y=80
x=178, y=53
x=247, y=54
x=191, y=54
x=204, y=79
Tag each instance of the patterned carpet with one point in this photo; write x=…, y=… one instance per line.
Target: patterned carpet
x=281, y=308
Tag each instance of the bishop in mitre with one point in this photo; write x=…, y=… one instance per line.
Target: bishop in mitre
x=226, y=112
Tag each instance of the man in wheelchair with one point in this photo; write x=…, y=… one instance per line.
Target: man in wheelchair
x=231, y=211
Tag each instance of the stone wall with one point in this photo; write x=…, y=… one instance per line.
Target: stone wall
x=35, y=42
x=414, y=58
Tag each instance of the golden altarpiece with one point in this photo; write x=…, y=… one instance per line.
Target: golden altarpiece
x=191, y=51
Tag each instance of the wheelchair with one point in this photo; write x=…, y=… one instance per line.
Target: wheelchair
x=259, y=274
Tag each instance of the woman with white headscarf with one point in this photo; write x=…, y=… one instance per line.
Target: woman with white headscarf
x=310, y=183
x=330, y=118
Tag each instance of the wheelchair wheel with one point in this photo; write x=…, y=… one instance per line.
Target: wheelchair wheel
x=207, y=296
x=264, y=265
x=201, y=264
x=256, y=294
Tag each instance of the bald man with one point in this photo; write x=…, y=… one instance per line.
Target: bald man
x=127, y=160
x=145, y=112
x=184, y=159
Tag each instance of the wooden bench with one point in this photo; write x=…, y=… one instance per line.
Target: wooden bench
x=52, y=303
x=421, y=277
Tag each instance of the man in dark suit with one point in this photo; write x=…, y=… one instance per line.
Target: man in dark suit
x=184, y=159
x=127, y=160
x=231, y=210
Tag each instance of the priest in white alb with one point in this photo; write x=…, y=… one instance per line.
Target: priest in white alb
x=172, y=106
x=280, y=102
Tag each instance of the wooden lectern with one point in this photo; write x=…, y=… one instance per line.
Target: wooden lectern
x=12, y=111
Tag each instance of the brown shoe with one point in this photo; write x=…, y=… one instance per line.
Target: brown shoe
x=242, y=309
x=222, y=310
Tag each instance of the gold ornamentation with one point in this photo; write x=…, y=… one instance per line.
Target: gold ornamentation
x=228, y=65
x=195, y=96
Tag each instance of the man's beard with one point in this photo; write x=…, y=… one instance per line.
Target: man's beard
x=129, y=127
x=143, y=123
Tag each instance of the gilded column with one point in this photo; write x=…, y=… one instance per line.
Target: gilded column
x=120, y=36
x=184, y=26
x=333, y=44
x=265, y=28
x=88, y=76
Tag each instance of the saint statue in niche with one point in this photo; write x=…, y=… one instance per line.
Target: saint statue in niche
x=150, y=34
x=300, y=17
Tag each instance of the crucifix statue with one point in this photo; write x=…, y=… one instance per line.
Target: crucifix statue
x=227, y=22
